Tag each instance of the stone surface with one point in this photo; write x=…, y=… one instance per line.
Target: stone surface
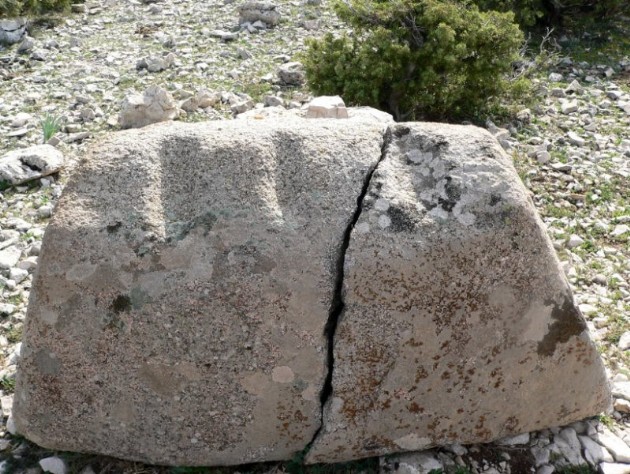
x=594, y=453
x=53, y=465
x=184, y=283
x=416, y=463
x=291, y=74
x=458, y=324
x=614, y=468
x=155, y=105
x=12, y=30
x=614, y=445
x=327, y=107
x=26, y=164
x=266, y=12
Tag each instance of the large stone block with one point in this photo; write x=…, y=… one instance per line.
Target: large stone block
x=178, y=312
x=458, y=324
x=215, y=293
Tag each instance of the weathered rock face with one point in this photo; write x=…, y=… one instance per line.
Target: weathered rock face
x=259, y=11
x=458, y=324
x=184, y=283
x=12, y=30
x=153, y=106
x=193, y=276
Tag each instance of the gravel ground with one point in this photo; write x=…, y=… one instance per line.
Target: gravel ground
x=572, y=151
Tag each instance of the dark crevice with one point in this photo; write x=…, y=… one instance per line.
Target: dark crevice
x=337, y=305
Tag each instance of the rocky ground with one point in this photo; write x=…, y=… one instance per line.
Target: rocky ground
x=572, y=150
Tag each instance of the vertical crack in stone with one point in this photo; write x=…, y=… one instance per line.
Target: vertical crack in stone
x=337, y=304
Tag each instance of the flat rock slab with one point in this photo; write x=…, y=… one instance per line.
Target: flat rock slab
x=178, y=312
x=26, y=164
x=458, y=324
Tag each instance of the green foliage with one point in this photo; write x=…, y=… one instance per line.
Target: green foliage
x=417, y=59
x=50, y=125
x=10, y=8
x=581, y=469
x=7, y=384
x=527, y=12
x=531, y=12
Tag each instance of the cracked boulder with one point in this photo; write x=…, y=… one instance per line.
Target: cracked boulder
x=458, y=325
x=177, y=316
x=206, y=292
x=26, y=164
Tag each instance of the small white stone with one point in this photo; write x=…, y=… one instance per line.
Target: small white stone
x=7, y=309
x=9, y=257
x=546, y=469
x=575, y=139
x=588, y=309
x=541, y=456
x=569, y=106
x=327, y=107
x=18, y=275
x=28, y=264
x=621, y=390
x=20, y=120
x=11, y=428
x=54, y=465
x=7, y=405
x=614, y=468
x=624, y=341
x=621, y=405
x=620, y=230
x=514, y=440
x=575, y=241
